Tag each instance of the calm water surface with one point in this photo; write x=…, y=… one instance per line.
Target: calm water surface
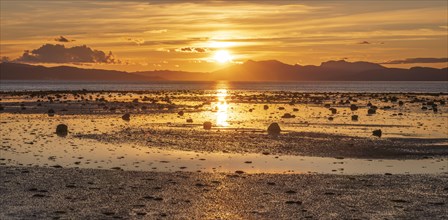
x=400, y=86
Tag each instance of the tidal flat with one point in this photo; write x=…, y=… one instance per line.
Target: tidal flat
x=204, y=153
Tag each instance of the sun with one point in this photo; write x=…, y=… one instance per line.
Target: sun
x=222, y=56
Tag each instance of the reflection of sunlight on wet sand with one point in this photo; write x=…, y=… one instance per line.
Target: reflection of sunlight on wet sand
x=222, y=106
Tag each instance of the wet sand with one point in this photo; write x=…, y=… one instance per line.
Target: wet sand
x=44, y=175
x=28, y=193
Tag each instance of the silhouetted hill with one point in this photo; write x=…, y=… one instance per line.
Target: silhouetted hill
x=327, y=71
x=270, y=70
x=17, y=71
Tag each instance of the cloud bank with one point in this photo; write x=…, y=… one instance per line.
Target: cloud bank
x=57, y=53
x=192, y=50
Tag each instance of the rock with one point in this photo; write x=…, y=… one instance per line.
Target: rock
x=189, y=120
x=377, y=133
x=353, y=107
x=265, y=107
x=330, y=118
x=295, y=109
x=62, y=130
x=181, y=113
x=287, y=115
x=207, y=125
x=126, y=117
x=294, y=202
x=371, y=111
x=354, y=118
x=51, y=112
x=274, y=129
x=333, y=111
x=400, y=103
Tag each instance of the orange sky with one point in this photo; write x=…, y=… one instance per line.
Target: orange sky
x=146, y=35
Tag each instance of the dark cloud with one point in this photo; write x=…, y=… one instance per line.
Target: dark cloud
x=138, y=41
x=57, y=53
x=192, y=50
x=417, y=60
x=364, y=42
x=62, y=39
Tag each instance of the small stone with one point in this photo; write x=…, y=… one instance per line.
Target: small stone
x=51, y=112
x=333, y=111
x=126, y=117
x=294, y=202
x=287, y=115
x=207, y=125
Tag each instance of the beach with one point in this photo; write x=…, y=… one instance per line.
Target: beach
x=162, y=161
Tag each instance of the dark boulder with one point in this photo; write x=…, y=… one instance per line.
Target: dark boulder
x=353, y=107
x=62, y=130
x=274, y=129
x=377, y=133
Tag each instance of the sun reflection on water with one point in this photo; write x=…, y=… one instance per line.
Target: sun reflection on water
x=222, y=106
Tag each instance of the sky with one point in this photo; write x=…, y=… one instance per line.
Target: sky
x=209, y=35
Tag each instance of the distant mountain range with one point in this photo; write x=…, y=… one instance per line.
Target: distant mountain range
x=270, y=70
